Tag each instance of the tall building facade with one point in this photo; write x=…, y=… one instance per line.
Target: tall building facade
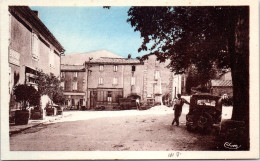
x=73, y=81
x=107, y=79
x=32, y=47
x=158, y=81
x=112, y=78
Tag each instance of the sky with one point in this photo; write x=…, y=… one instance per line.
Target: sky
x=86, y=29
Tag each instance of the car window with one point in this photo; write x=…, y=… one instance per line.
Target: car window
x=207, y=102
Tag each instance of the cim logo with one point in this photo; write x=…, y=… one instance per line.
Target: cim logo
x=231, y=146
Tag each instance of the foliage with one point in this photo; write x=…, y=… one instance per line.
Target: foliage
x=191, y=81
x=197, y=79
x=138, y=58
x=185, y=35
x=26, y=95
x=50, y=85
x=206, y=37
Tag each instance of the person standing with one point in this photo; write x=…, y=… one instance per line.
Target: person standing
x=137, y=103
x=178, y=108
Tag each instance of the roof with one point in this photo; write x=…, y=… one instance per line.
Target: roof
x=81, y=58
x=72, y=67
x=30, y=19
x=105, y=60
x=221, y=83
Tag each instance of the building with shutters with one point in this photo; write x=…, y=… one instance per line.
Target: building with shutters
x=73, y=81
x=32, y=47
x=109, y=77
x=112, y=78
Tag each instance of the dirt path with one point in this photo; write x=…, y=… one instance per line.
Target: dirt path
x=124, y=133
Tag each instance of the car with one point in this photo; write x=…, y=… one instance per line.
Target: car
x=204, y=112
x=129, y=102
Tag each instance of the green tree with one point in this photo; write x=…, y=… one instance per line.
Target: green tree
x=26, y=95
x=50, y=85
x=200, y=36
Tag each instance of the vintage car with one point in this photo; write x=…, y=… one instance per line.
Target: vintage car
x=129, y=102
x=204, y=112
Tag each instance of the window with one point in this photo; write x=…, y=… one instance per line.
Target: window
x=133, y=81
x=89, y=72
x=157, y=75
x=115, y=68
x=109, y=96
x=81, y=102
x=35, y=46
x=75, y=74
x=51, y=58
x=66, y=102
x=206, y=102
x=101, y=67
x=133, y=68
x=73, y=102
x=75, y=86
x=115, y=81
x=100, y=81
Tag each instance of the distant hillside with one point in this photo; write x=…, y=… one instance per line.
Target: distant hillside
x=80, y=58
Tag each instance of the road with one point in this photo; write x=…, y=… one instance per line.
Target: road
x=131, y=130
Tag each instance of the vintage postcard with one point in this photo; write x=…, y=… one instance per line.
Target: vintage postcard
x=129, y=79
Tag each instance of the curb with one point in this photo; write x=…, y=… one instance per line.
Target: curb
x=35, y=125
x=23, y=129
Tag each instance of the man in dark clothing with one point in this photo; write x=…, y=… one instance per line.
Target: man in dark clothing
x=178, y=108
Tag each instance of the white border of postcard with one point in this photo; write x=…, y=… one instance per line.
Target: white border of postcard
x=6, y=154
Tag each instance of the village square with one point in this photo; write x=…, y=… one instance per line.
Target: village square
x=188, y=90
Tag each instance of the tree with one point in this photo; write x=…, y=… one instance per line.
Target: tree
x=200, y=36
x=50, y=85
x=192, y=79
x=26, y=95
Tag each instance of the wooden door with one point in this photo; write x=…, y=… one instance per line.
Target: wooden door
x=93, y=99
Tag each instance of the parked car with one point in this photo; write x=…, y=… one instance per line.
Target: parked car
x=129, y=102
x=204, y=112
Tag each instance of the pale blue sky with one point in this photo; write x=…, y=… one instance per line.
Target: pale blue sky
x=85, y=29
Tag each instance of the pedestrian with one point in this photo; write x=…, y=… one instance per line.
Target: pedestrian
x=178, y=108
x=137, y=103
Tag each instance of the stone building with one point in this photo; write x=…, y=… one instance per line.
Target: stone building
x=32, y=47
x=112, y=78
x=159, y=81
x=73, y=78
x=223, y=85
x=109, y=77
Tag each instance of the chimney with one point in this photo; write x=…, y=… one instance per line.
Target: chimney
x=36, y=13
